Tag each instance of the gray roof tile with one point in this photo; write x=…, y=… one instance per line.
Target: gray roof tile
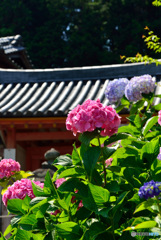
x=54, y=92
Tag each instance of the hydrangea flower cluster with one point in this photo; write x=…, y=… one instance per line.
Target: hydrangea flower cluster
x=20, y=189
x=59, y=181
x=159, y=117
x=137, y=86
x=150, y=189
x=116, y=89
x=8, y=167
x=92, y=115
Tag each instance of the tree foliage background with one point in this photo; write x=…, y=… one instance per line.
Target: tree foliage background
x=70, y=33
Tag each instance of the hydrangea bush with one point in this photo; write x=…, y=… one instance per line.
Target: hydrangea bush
x=8, y=168
x=109, y=186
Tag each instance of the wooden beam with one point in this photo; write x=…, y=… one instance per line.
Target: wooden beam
x=35, y=136
x=17, y=121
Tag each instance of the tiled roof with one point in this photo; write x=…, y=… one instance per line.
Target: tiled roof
x=14, y=49
x=11, y=44
x=54, y=92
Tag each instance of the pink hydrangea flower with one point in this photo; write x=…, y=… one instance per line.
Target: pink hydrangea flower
x=59, y=181
x=159, y=119
x=8, y=167
x=20, y=189
x=91, y=115
x=108, y=162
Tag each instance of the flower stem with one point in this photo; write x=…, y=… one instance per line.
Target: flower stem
x=104, y=168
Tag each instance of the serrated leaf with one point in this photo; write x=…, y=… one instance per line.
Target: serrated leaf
x=15, y=206
x=69, y=230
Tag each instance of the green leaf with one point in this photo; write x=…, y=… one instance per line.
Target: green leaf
x=116, y=137
x=8, y=230
x=76, y=155
x=15, y=206
x=131, y=175
x=49, y=184
x=125, y=101
x=130, y=129
x=147, y=224
x=26, y=203
x=101, y=140
x=149, y=124
x=86, y=137
x=73, y=184
x=69, y=230
x=146, y=205
x=63, y=160
x=136, y=120
x=112, y=186
x=137, y=106
x=153, y=134
x=108, y=151
x=38, y=191
x=23, y=235
x=37, y=202
x=158, y=106
x=2, y=237
x=90, y=159
x=28, y=219
x=119, y=202
x=15, y=220
x=95, y=229
x=73, y=172
x=150, y=150
x=99, y=194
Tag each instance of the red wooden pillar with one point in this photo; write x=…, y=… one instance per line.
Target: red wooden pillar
x=11, y=138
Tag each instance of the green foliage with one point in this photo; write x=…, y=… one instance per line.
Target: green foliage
x=96, y=200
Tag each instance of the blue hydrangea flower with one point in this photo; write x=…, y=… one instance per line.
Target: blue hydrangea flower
x=150, y=189
x=137, y=86
x=116, y=89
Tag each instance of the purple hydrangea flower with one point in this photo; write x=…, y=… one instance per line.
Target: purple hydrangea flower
x=150, y=189
x=159, y=155
x=139, y=85
x=116, y=89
